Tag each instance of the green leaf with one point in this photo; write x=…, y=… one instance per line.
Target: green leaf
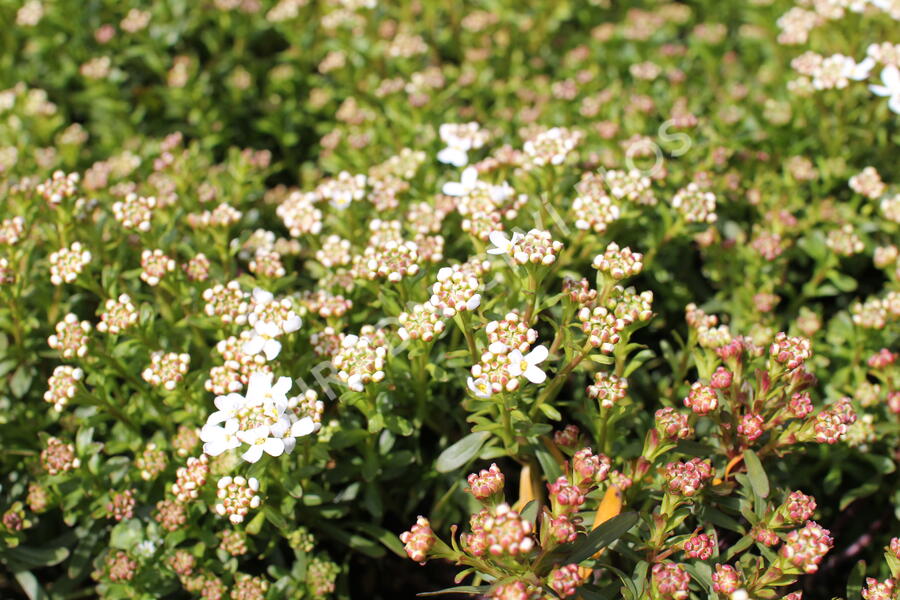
x=21, y=381
x=460, y=589
x=601, y=537
x=28, y=558
x=126, y=534
x=357, y=542
x=30, y=585
x=550, y=412
x=461, y=452
x=529, y=512
x=390, y=540
x=275, y=518
x=855, y=582
x=549, y=466
x=256, y=523
x=866, y=489
x=758, y=480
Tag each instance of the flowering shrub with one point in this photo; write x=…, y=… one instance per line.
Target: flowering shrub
x=558, y=300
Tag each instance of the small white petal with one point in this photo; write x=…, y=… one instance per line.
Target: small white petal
x=272, y=348
x=273, y=447
x=254, y=345
x=304, y=426
x=538, y=355
x=534, y=374
x=253, y=454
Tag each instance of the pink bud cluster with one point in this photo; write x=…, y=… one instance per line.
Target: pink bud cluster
x=672, y=424
x=59, y=457
x=589, y=469
x=424, y=323
x=700, y=546
x=120, y=314
x=190, y=478
x=566, y=497
x=565, y=580
x=154, y=266
x=619, y=263
x=63, y=385
x=702, y=399
x=71, y=337
x=67, y=263
x=487, y=485
x=500, y=532
x=236, y=496
x=227, y=302
x=726, y=580
x=806, y=547
x=686, y=478
x=790, y=351
x=670, y=581
x=608, y=389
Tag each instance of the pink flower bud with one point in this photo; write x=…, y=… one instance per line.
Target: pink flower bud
x=701, y=399
x=700, y=546
x=563, y=529
x=806, y=547
x=766, y=537
x=721, y=379
x=798, y=507
x=568, y=437
x=878, y=590
x=418, y=540
x=672, y=424
x=670, y=581
x=565, y=580
x=751, y=427
x=566, y=497
x=487, y=484
x=726, y=579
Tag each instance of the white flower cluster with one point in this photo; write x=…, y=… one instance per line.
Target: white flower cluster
x=270, y=319
x=261, y=419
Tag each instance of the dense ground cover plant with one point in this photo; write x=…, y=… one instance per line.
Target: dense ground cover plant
x=590, y=300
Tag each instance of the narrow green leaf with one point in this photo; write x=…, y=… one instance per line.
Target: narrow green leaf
x=602, y=537
x=461, y=452
x=38, y=557
x=390, y=540
x=30, y=585
x=855, y=582
x=758, y=480
x=460, y=589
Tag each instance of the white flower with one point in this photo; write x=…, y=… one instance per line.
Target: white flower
x=480, y=387
x=859, y=71
x=218, y=439
x=468, y=181
x=890, y=77
x=503, y=244
x=263, y=340
x=453, y=155
x=527, y=365
x=260, y=388
x=262, y=439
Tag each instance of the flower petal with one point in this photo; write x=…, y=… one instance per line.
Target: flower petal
x=534, y=374
x=273, y=446
x=253, y=453
x=538, y=355
x=304, y=426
